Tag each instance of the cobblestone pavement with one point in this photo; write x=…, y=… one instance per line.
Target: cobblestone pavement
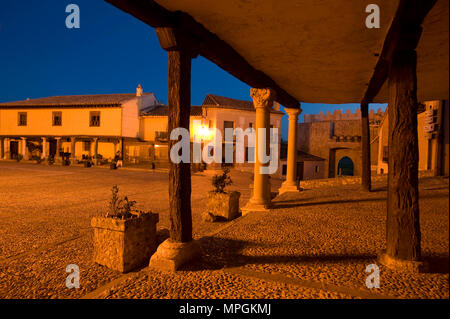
x=314, y=244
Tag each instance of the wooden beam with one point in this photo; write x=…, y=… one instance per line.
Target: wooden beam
x=365, y=147
x=210, y=45
x=403, y=228
x=404, y=33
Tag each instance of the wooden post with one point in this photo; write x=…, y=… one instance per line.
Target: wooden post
x=180, y=50
x=403, y=228
x=179, y=248
x=365, y=147
x=179, y=174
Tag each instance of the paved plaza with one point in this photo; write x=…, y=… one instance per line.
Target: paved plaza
x=314, y=244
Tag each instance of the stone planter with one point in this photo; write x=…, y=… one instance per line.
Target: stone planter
x=222, y=206
x=124, y=245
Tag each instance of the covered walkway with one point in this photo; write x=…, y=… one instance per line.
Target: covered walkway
x=308, y=51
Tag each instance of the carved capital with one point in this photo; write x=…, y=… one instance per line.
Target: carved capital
x=293, y=113
x=262, y=97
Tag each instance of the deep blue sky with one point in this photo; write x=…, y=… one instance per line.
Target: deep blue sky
x=112, y=52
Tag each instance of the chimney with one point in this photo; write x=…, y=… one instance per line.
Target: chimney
x=139, y=97
x=139, y=91
x=276, y=106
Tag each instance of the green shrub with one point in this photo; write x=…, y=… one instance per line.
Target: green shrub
x=221, y=181
x=121, y=208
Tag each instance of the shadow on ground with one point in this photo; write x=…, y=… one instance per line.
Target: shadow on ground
x=221, y=253
x=218, y=253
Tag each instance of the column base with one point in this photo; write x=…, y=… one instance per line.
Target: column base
x=288, y=188
x=401, y=265
x=255, y=206
x=170, y=255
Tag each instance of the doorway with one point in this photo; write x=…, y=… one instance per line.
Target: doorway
x=14, y=149
x=345, y=166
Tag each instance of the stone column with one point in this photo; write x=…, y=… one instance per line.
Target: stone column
x=72, y=149
x=24, y=148
x=260, y=200
x=291, y=183
x=7, y=154
x=58, y=148
x=44, y=148
x=2, y=147
x=95, y=150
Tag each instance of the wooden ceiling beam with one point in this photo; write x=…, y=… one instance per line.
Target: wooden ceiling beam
x=404, y=33
x=210, y=45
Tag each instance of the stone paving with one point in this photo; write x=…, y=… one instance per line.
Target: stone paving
x=314, y=244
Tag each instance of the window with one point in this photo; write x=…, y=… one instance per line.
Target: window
x=316, y=169
x=386, y=154
x=57, y=118
x=94, y=119
x=86, y=146
x=250, y=125
x=228, y=124
x=22, y=119
x=161, y=136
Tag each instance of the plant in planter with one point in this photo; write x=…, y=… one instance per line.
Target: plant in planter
x=125, y=238
x=222, y=205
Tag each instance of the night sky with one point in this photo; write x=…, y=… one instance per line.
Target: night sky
x=111, y=52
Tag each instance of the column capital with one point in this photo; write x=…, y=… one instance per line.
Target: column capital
x=291, y=112
x=23, y=138
x=57, y=138
x=262, y=97
x=44, y=138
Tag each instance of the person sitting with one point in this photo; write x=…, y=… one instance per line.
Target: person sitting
x=118, y=159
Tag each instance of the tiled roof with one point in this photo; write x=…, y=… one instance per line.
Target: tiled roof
x=212, y=100
x=306, y=157
x=301, y=156
x=162, y=110
x=73, y=101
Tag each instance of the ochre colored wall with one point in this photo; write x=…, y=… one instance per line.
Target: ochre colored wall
x=75, y=121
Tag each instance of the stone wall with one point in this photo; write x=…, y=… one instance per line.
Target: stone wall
x=334, y=139
x=338, y=115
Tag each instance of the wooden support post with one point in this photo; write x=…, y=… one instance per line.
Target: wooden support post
x=403, y=228
x=365, y=147
x=179, y=248
x=179, y=174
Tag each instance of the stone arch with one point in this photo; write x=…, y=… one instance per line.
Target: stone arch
x=336, y=154
x=345, y=167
